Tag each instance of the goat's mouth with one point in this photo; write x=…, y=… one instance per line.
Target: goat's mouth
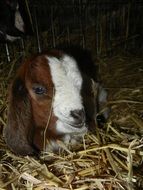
x=70, y=127
x=73, y=124
x=76, y=125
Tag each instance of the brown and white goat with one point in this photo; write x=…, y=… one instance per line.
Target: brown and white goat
x=50, y=98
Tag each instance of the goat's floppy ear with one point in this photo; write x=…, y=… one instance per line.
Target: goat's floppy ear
x=19, y=132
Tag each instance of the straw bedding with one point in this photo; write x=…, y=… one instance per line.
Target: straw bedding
x=109, y=158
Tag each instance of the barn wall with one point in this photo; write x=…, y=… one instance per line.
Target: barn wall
x=98, y=25
x=103, y=26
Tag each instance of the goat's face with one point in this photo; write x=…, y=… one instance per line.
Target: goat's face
x=67, y=104
x=56, y=82
x=60, y=80
x=51, y=85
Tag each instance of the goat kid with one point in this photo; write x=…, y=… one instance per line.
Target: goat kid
x=49, y=100
x=11, y=22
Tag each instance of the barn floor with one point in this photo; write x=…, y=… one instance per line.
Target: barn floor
x=110, y=159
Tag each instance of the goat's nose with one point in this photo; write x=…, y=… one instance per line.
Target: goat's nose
x=78, y=115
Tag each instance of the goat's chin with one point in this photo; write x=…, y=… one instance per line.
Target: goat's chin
x=70, y=128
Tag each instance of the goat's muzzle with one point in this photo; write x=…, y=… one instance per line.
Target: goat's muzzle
x=76, y=119
x=78, y=116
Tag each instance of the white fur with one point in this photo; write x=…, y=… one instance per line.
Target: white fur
x=68, y=82
x=71, y=140
x=12, y=38
x=19, y=23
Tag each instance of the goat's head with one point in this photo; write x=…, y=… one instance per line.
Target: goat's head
x=45, y=94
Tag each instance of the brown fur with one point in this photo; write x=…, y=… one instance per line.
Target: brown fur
x=28, y=113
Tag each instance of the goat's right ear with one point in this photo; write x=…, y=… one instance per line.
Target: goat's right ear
x=19, y=130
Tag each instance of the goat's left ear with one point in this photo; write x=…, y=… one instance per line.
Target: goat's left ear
x=103, y=111
x=19, y=131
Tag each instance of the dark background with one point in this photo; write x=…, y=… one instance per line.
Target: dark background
x=105, y=27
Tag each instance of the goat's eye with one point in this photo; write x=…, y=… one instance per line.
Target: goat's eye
x=39, y=90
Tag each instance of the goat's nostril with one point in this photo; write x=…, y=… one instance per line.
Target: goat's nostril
x=78, y=114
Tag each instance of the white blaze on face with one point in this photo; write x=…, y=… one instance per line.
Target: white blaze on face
x=68, y=83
